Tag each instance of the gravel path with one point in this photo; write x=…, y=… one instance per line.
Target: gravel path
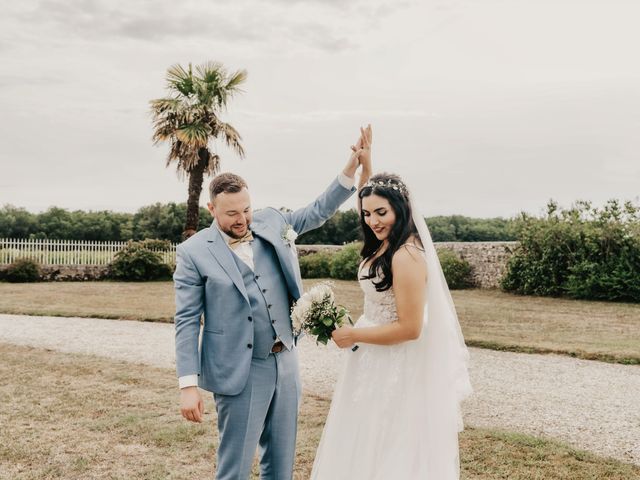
x=592, y=405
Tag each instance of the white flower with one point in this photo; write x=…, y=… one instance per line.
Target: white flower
x=289, y=234
x=304, y=304
x=296, y=321
x=299, y=312
x=321, y=291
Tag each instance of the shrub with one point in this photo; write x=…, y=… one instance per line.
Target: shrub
x=138, y=263
x=345, y=263
x=315, y=265
x=22, y=271
x=457, y=271
x=155, y=244
x=582, y=252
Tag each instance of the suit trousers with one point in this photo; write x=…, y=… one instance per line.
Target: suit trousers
x=264, y=415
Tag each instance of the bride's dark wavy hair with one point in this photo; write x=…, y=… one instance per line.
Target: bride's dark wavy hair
x=391, y=187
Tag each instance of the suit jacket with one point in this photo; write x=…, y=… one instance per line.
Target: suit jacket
x=207, y=281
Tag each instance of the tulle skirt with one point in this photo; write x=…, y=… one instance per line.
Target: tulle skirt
x=379, y=426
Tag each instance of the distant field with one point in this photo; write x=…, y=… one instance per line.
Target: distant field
x=489, y=318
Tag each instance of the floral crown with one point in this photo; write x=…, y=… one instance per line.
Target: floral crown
x=389, y=183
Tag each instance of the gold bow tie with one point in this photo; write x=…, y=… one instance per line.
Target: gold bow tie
x=236, y=242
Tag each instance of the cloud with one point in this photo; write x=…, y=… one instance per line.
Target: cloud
x=151, y=21
x=26, y=81
x=332, y=115
x=164, y=27
x=319, y=36
x=268, y=24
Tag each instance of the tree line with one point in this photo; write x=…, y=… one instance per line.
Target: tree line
x=166, y=222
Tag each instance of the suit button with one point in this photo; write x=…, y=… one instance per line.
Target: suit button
x=273, y=321
x=264, y=290
x=269, y=306
x=257, y=277
x=249, y=345
x=250, y=319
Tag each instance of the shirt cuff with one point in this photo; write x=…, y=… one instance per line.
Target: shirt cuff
x=188, y=381
x=346, y=182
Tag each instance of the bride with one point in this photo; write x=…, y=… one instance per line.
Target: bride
x=395, y=412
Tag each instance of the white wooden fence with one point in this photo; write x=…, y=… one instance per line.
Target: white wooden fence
x=68, y=252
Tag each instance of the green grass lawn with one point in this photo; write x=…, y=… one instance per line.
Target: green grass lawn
x=490, y=318
x=77, y=416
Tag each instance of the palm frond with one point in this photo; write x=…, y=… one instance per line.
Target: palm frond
x=213, y=163
x=235, y=80
x=209, y=76
x=168, y=115
x=211, y=72
x=232, y=138
x=181, y=80
x=194, y=134
x=162, y=105
x=185, y=156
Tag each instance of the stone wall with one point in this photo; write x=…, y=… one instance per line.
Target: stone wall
x=304, y=250
x=67, y=273
x=488, y=259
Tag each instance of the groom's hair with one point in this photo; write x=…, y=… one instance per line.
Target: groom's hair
x=226, y=183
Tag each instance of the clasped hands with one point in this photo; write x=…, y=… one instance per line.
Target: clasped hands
x=361, y=154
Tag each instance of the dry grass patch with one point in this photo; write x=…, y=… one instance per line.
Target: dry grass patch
x=605, y=331
x=492, y=319
x=149, y=301
x=81, y=417
x=152, y=301
x=497, y=454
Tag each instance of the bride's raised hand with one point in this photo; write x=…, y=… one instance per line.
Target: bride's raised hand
x=366, y=139
x=354, y=160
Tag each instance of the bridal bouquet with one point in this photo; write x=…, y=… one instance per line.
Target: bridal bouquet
x=317, y=314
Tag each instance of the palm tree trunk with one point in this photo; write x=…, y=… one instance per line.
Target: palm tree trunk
x=196, y=177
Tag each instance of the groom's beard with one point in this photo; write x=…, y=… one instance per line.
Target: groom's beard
x=232, y=234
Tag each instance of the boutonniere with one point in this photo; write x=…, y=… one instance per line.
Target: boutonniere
x=289, y=235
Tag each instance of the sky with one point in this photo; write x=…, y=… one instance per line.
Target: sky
x=487, y=107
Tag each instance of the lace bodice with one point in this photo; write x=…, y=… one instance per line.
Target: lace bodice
x=379, y=307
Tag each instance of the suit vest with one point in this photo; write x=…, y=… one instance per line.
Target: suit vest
x=269, y=298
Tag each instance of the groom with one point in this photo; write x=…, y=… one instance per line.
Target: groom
x=242, y=273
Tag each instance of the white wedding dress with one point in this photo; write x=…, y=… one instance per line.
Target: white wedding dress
x=395, y=411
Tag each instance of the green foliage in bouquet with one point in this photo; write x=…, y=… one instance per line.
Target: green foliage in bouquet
x=582, y=252
x=317, y=314
x=137, y=262
x=328, y=323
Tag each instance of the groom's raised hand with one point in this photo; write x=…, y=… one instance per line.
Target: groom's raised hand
x=191, y=404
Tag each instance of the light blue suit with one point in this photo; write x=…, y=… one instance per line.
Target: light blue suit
x=256, y=392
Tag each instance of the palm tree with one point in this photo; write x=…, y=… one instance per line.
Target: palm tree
x=189, y=119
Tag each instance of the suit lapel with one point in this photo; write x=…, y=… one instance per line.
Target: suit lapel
x=283, y=252
x=223, y=255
